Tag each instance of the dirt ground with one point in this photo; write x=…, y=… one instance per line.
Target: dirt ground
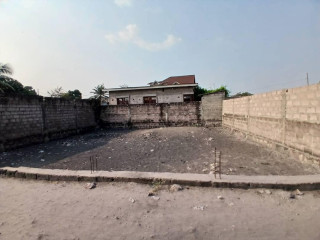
x=180, y=149
x=59, y=210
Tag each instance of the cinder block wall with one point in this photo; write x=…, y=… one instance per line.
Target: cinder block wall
x=151, y=115
x=25, y=120
x=211, y=109
x=289, y=117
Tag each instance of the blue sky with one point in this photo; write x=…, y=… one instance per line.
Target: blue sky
x=253, y=46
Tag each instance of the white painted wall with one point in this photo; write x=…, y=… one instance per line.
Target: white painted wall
x=165, y=95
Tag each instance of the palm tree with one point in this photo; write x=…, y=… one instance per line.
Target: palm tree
x=99, y=92
x=5, y=80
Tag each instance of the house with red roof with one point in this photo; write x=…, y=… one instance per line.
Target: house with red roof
x=171, y=90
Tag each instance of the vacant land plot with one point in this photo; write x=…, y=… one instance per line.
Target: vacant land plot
x=58, y=210
x=181, y=149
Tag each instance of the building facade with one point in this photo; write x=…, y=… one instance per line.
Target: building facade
x=172, y=90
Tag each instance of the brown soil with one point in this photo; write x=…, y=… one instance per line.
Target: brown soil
x=181, y=149
x=49, y=210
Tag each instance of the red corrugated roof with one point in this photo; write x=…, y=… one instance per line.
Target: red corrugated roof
x=189, y=79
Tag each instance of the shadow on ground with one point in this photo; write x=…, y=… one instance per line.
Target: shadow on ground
x=41, y=155
x=176, y=149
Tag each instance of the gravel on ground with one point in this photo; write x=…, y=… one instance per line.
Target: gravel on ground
x=70, y=210
x=175, y=149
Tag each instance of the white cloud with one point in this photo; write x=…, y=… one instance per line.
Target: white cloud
x=130, y=34
x=123, y=3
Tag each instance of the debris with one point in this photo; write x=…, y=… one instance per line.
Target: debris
x=265, y=163
x=176, y=188
x=268, y=192
x=155, y=198
x=292, y=196
x=91, y=185
x=220, y=197
x=210, y=139
x=151, y=193
x=295, y=193
x=260, y=191
x=205, y=170
x=41, y=151
x=298, y=193
x=231, y=204
x=42, y=160
x=131, y=200
x=199, y=208
x=151, y=150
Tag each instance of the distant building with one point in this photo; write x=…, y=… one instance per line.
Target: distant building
x=171, y=90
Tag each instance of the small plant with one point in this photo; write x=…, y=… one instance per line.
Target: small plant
x=156, y=186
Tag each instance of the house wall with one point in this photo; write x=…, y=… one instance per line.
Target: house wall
x=211, y=109
x=289, y=118
x=164, y=95
x=25, y=120
x=151, y=115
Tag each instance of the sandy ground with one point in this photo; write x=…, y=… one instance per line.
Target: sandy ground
x=181, y=149
x=59, y=210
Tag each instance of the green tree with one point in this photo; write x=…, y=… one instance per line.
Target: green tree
x=57, y=92
x=10, y=85
x=28, y=90
x=71, y=95
x=99, y=92
x=241, y=94
x=5, y=72
x=199, y=91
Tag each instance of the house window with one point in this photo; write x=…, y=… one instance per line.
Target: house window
x=149, y=100
x=188, y=98
x=123, y=101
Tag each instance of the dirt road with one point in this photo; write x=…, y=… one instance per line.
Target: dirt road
x=48, y=210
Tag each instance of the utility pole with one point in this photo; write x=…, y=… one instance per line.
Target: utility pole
x=307, y=79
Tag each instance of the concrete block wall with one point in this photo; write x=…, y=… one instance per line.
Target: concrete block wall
x=151, y=115
x=31, y=119
x=289, y=117
x=20, y=118
x=59, y=115
x=302, y=129
x=211, y=108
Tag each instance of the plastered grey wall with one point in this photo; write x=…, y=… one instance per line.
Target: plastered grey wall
x=289, y=117
x=165, y=95
x=25, y=120
x=211, y=109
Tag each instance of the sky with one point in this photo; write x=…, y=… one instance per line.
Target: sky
x=249, y=46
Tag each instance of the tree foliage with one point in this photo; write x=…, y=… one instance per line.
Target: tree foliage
x=241, y=94
x=57, y=92
x=99, y=92
x=199, y=91
x=72, y=95
x=9, y=85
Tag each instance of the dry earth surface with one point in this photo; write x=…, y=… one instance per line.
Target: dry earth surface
x=60, y=210
x=179, y=149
